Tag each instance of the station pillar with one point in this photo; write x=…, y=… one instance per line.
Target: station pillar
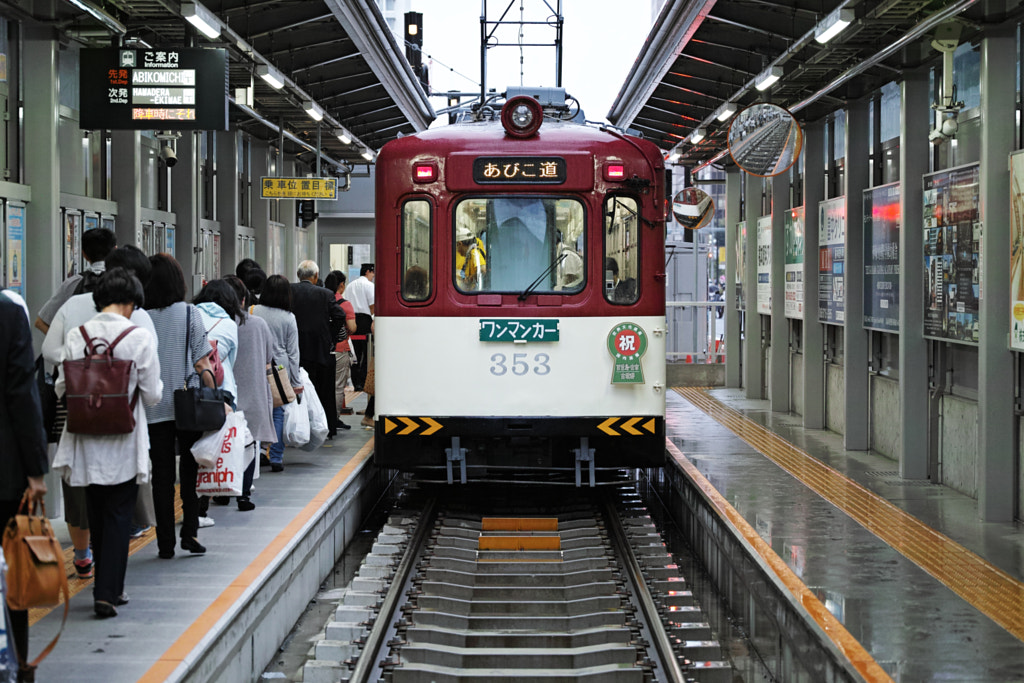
x=913, y=354
x=996, y=421
x=753, y=347
x=228, y=190
x=813, y=388
x=733, y=344
x=778, y=387
x=855, y=338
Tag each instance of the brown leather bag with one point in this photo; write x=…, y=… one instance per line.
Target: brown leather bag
x=36, y=575
x=97, y=389
x=280, y=385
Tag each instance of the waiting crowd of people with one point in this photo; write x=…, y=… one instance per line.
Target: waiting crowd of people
x=116, y=485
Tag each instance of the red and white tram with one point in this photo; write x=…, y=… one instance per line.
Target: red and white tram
x=520, y=298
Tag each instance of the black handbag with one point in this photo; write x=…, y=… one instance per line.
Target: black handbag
x=198, y=408
x=55, y=410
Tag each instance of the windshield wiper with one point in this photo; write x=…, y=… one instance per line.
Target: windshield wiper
x=536, y=283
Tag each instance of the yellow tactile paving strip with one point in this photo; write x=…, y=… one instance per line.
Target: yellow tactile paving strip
x=987, y=588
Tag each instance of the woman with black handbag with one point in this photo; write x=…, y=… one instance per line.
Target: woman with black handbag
x=23, y=458
x=182, y=350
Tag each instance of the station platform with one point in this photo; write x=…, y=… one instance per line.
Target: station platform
x=198, y=617
x=928, y=592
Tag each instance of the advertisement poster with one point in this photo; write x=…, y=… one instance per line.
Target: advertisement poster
x=1017, y=251
x=882, y=258
x=15, y=248
x=741, y=263
x=764, y=265
x=831, y=261
x=794, y=228
x=952, y=247
x=72, y=243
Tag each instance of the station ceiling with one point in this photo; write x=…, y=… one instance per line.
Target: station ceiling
x=703, y=54
x=339, y=54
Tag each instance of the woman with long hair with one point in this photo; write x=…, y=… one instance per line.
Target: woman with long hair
x=183, y=350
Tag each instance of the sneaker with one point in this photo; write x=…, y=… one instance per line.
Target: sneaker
x=206, y=521
x=139, y=531
x=84, y=568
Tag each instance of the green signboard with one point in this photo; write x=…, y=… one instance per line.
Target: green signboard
x=537, y=330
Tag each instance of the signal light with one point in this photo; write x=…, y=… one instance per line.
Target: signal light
x=614, y=172
x=424, y=173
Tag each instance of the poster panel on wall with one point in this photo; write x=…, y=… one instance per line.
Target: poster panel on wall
x=794, y=267
x=1016, y=251
x=764, y=265
x=832, y=261
x=882, y=258
x=16, y=247
x=952, y=247
x=741, y=263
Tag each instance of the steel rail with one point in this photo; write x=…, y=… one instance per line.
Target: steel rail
x=365, y=666
x=662, y=645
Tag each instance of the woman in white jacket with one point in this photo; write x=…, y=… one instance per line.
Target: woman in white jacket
x=112, y=466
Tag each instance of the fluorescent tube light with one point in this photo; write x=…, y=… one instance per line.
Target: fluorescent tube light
x=313, y=109
x=368, y=154
x=726, y=111
x=273, y=77
x=768, y=77
x=343, y=136
x=203, y=19
x=698, y=135
x=832, y=25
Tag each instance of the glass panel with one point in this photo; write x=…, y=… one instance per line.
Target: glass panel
x=891, y=113
x=967, y=75
x=416, y=250
x=621, y=263
x=512, y=244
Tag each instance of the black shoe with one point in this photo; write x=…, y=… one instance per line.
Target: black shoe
x=193, y=546
x=264, y=461
x=276, y=467
x=221, y=500
x=245, y=505
x=345, y=411
x=166, y=554
x=343, y=425
x=103, y=609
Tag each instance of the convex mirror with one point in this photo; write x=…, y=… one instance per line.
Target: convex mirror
x=765, y=139
x=693, y=208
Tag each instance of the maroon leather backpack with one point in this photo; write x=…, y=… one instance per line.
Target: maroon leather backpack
x=96, y=388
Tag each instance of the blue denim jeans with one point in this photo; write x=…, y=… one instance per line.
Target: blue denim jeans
x=277, y=449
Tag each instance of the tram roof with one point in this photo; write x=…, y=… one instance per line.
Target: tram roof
x=702, y=54
x=337, y=53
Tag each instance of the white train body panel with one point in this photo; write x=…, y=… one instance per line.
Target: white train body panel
x=438, y=366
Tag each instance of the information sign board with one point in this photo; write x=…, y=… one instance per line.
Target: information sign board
x=832, y=261
x=882, y=258
x=299, y=188
x=503, y=330
x=764, y=265
x=794, y=266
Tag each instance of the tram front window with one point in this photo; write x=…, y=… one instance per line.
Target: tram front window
x=519, y=244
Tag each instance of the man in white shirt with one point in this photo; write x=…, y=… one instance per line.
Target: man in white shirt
x=360, y=294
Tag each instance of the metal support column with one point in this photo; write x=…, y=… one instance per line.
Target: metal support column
x=42, y=246
x=126, y=186
x=753, y=362
x=814, y=332
x=186, y=183
x=227, y=198
x=259, y=213
x=732, y=313
x=778, y=387
x=996, y=424
x=913, y=389
x=855, y=337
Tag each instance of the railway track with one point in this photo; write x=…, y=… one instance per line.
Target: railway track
x=474, y=590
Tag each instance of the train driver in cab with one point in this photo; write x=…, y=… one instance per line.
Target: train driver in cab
x=471, y=259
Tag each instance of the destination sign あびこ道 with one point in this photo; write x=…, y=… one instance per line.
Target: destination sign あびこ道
x=167, y=89
x=299, y=188
x=519, y=170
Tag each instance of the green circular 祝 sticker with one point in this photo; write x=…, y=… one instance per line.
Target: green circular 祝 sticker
x=627, y=343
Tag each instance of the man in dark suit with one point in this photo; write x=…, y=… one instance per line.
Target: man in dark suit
x=318, y=317
x=23, y=458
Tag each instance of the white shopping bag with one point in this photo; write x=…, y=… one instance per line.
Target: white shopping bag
x=295, y=431
x=224, y=477
x=315, y=410
x=207, y=449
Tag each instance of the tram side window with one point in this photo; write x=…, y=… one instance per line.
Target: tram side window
x=621, y=252
x=416, y=250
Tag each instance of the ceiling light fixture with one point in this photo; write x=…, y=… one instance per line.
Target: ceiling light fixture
x=343, y=136
x=698, y=135
x=726, y=111
x=273, y=77
x=313, y=109
x=832, y=25
x=768, y=77
x=368, y=154
x=205, y=21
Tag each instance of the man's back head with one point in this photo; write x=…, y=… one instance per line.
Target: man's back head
x=97, y=244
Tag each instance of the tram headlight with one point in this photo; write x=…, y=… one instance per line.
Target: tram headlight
x=521, y=116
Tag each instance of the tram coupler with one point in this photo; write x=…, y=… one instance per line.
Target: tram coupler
x=584, y=454
x=453, y=454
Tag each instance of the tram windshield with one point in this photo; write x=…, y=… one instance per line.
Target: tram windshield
x=519, y=244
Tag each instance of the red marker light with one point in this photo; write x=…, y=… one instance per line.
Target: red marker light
x=425, y=173
x=614, y=172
